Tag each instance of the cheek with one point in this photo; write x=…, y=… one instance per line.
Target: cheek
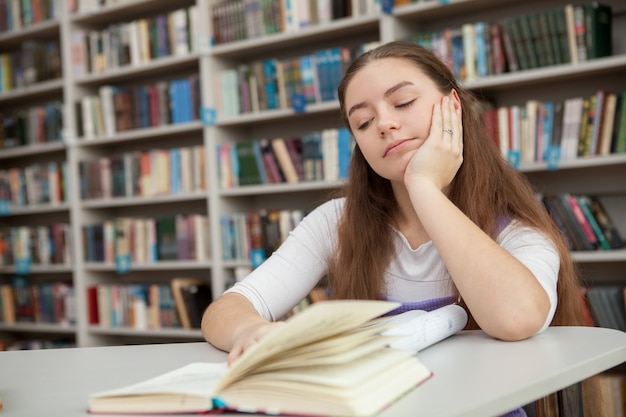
x=422, y=119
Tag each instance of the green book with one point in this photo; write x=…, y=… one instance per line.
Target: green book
x=513, y=30
x=585, y=203
x=558, y=19
x=528, y=40
x=537, y=40
x=249, y=173
x=598, y=39
x=167, y=245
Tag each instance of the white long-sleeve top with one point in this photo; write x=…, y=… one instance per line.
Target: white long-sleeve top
x=414, y=275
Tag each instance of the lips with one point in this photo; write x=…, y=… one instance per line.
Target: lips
x=394, y=145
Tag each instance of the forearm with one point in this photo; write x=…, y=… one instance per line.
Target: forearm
x=503, y=295
x=226, y=318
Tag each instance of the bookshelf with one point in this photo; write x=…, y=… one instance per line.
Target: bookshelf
x=208, y=127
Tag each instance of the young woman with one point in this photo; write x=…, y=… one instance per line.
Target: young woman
x=431, y=214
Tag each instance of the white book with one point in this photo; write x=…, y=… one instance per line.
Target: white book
x=325, y=360
x=330, y=152
x=503, y=130
x=194, y=35
x=88, y=120
x=179, y=34
x=134, y=43
x=607, y=124
x=108, y=111
x=469, y=51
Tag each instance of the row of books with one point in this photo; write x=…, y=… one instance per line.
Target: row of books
x=22, y=301
x=117, y=109
x=24, y=246
x=550, y=131
x=18, y=14
x=34, y=62
x=144, y=173
x=134, y=43
x=125, y=241
x=179, y=304
x=284, y=83
x=137, y=306
x=606, y=306
x=584, y=221
x=316, y=156
x=562, y=35
x=9, y=343
x=38, y=183
x=255, y=235
x=31, y=126
x=247, y=19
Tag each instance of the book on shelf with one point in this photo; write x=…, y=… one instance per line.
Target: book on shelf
x=585, y=206
x=618, y=142
x=606, y=303
x=285, y=161
x=191, y=296
x=564, y=217
x=605, y=222
x=332, y=358
x=598, y=32
x=584, y=221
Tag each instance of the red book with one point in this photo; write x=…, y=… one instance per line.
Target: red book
x=580, y=216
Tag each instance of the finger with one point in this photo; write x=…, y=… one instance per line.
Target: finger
x=437, y=122
x=447, y=125
x=457, y=122
x=235, y=352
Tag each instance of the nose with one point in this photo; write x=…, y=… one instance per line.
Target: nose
x=386, y=122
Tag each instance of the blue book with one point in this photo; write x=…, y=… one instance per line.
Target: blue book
x=259, y=161
x=482, y=68
x=187, y=100
x=271, y=90
x=228, y=251
x=175, y=170
x=345, y=151
x=174, y=111
x=548, y=123
x=234, y=165
x=322, y=63
x=308, y=79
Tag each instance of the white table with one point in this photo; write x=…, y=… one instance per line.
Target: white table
x=474, y=375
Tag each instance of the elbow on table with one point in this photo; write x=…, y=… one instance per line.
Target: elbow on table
x=515, y=329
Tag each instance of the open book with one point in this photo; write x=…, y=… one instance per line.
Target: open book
x=333, y=358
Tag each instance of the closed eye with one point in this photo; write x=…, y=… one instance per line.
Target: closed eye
x=364, y=125
x=407, y=104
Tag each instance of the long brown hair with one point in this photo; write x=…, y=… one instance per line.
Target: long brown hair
x=486, y=188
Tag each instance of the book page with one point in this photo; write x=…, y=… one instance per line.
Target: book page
x=317, y=322
x=197, y=378
x=422, y=329
x=347, y=374
x=326, y=357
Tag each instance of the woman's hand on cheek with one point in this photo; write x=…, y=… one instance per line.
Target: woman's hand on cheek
x=440, y=156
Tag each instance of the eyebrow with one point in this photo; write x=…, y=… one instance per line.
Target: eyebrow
x=389, y=92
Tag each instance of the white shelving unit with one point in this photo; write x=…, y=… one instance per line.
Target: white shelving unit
x=597, y=175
